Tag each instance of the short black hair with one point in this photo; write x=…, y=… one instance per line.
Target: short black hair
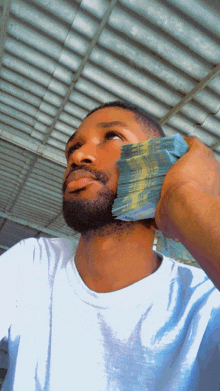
x=141, y=115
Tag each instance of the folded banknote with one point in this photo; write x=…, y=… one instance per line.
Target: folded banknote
x=175, y=144
x=142, y=169
x=145, y=166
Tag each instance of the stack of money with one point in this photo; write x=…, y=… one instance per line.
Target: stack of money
x=142, y=169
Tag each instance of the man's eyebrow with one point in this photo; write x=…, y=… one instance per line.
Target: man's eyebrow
x=109, y=124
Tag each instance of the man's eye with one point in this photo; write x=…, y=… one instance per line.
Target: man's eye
x=112, y=134
x=73, y=148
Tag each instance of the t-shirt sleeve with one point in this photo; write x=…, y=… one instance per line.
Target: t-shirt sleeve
x=209, y=354
x=12, y=263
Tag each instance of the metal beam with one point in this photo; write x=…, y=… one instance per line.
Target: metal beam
x=34, y=226
x=51, y=221
x=13, y=201
x=3, y=224
x=54, y=219
x=5, y=17
x=42, y=149
x=215, y=145
x=82, y=65
x=190, y=94
x=36, y=148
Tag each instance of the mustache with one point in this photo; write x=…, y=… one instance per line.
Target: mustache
x=98, y=175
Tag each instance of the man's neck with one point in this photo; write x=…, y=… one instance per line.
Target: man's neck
x=116, y=258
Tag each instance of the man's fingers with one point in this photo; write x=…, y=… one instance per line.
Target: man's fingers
x=195, y=144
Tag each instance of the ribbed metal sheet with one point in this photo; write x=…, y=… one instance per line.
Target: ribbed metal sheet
x=61, y=59
x=31, y=189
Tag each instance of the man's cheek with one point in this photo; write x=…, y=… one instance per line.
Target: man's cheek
x=113, y=175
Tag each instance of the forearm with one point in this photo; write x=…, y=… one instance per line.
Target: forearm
x=196, y=224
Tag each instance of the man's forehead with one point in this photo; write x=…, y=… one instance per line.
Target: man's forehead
x=108, y=117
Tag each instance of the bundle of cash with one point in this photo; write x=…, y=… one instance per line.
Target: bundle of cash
x=142, y=169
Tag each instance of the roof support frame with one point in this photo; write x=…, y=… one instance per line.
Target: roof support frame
x=20, y=188
x=36, y=148
x=215, y=71
x=2, y=225
x=81, y=67
x=9, y=216
x=71, y=87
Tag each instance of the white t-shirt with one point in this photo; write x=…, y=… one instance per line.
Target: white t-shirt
x=158, y=334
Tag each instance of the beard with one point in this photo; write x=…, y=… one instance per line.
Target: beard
x=87, y=217
x=95, y=216
x=90, y=215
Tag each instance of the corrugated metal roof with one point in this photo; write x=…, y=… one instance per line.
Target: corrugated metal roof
x=61, y=59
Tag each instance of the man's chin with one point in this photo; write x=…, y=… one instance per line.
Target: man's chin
x=85, y=215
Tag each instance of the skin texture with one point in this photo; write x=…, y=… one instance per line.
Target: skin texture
x=188, y=208
x=117, y=254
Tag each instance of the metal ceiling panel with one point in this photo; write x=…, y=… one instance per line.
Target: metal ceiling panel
x=11, y=233
x=61, y=59
x=175, y=24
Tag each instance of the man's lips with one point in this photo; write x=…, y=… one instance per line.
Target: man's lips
x=79, y=184
x=79, y=179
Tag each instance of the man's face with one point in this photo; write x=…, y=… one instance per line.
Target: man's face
x=91, y=177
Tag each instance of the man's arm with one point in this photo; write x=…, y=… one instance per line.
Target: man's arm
x=196, y=226
x=189, y=206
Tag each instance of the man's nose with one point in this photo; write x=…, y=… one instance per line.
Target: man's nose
x=84, y=154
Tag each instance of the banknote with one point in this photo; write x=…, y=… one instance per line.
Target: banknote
x=174, y=144
x=142, y=199
x=142, y=170
x=145, y=166
x=132, y=187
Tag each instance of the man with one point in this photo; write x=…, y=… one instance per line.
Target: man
x=112, y=314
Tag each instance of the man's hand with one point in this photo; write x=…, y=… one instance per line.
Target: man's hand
x=198, y=170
